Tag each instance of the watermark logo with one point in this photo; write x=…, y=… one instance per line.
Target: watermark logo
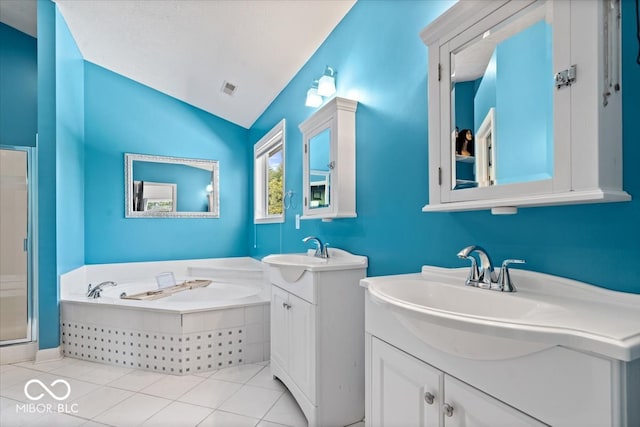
x=31, y=389
x=47, y=389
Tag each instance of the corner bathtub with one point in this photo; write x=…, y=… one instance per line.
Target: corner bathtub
x=197, y=330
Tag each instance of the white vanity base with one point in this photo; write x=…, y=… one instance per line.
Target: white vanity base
x=555, y=386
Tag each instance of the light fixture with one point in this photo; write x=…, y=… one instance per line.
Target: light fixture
x=327, y=83
x=209, y=188
x=313, y=99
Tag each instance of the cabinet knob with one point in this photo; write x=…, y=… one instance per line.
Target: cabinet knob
x=448, y=410
x=429, y=398
x=285, y=305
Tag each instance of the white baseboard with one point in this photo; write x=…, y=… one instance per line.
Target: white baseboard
x=18, y=353
x=49, y=354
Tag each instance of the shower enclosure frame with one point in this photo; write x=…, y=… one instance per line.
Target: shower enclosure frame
x=30, y=245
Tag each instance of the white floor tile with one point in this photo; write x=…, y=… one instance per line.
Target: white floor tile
x=16, y=375
x=178, y=414
x=227, y=419
x=12, y=415
x=136, y=380
x=57, y=420
x=99, y=400
x=286, y=411
x=47, y=366
x=237, y=374
x=172, y=386
x=13, y=387
x=251, y=401
x=133, y=411
x=206, y=374
x=265, y=379
x=105, y=374
x=265, y=423
x=77, y=370
x=210, y=393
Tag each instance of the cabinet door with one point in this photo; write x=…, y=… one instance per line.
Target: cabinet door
x=405, y=390
x=279, y=327
x=469, y=406
x=302, y=345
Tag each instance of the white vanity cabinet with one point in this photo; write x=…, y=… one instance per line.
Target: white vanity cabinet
x=317, y=336
x=329, y=161
x=292, y=338
x=409, y=392
x=546, y=126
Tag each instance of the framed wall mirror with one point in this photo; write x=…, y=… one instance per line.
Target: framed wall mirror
x=170, y=187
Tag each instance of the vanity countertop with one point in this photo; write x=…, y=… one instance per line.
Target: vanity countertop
x=545, y=311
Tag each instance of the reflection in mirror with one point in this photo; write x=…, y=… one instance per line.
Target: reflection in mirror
x=158, y=186
x=502, y=103
x=320, y=167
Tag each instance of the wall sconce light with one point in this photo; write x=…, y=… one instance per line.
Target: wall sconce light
x=325, y=86
x=327, y=83
x=313, y=99
x=209, y=188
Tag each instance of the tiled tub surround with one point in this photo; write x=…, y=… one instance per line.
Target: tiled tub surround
x=200, y=330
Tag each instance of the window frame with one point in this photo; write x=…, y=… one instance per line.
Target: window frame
x=262, y=150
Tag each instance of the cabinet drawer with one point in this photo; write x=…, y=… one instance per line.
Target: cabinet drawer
x=302, y=286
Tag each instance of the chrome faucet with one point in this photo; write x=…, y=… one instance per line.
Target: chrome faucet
x=484, y=276
x=321, y=249
x=95, y=291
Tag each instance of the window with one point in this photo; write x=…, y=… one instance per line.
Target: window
x=269, y=161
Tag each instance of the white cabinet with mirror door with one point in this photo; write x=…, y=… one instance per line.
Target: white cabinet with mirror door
x=329, y=161
x=524, y=104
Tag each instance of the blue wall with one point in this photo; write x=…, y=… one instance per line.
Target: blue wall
x=122, y=116
x=381, y=62
x=18, y=86
x=48, y=313
x=69, y=149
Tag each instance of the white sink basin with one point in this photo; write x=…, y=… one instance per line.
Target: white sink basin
x=338, y=260
x=546, y=311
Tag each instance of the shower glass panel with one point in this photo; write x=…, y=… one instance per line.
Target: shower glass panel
x=15, y=292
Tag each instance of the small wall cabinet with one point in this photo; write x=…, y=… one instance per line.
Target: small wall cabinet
x=329, y=161
x=546, y=127
x=317, y=341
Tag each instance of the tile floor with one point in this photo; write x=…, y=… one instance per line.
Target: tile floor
x=101, y=395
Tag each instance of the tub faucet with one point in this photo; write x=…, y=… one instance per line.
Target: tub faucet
x=95, y=291
x=321, y=249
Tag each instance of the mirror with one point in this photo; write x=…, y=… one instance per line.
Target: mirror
x=320, y=170
x=502, y=87
x=157, y=186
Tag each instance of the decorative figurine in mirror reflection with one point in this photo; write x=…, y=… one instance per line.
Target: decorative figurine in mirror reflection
x=465, y=143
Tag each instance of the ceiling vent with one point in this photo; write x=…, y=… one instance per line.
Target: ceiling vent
x=228, y=88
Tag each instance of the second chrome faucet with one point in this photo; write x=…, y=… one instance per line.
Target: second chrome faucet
x=321, y=248
x=484, y=275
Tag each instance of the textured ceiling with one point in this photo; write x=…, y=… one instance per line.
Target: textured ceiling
x=189, y=48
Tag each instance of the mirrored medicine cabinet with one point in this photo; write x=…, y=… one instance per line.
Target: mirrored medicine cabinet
x=524, y=105
x=329, y=161
x=170, y=187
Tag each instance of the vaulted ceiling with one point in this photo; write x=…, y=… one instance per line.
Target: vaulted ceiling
x=190, y=49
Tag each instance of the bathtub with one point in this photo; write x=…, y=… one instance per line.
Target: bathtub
x=197, y=330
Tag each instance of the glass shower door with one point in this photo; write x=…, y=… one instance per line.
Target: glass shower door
x=15, y=301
